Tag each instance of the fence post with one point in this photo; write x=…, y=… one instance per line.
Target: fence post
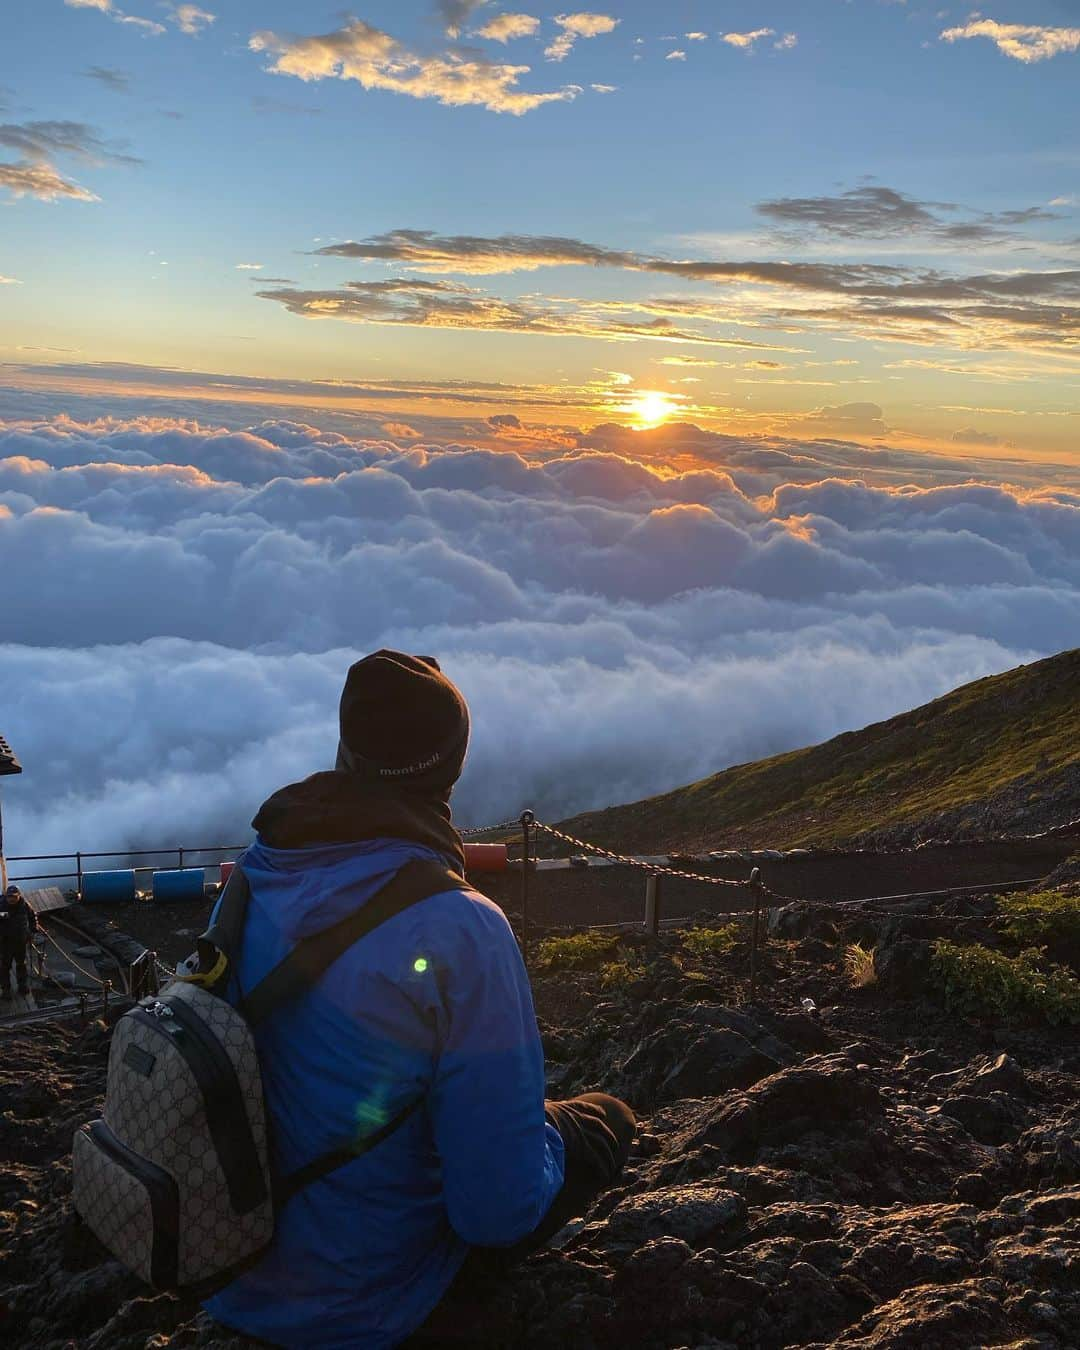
x=527, y=819
x=755, y=936
x=78, y=874
x=652, y=905
x=180, y=859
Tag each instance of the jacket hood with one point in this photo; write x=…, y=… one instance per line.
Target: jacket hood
x=337, y=807
x=305, y=890
x=330, y=842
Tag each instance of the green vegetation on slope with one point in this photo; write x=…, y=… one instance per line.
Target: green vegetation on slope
x=978, y=982
x=711, y=941
x=579, y=951
x=1041, y=918
x=1009, y=743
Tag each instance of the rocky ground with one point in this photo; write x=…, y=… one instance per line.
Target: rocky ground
x=872, y=1172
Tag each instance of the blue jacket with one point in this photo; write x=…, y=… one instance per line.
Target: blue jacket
x=434, y=1004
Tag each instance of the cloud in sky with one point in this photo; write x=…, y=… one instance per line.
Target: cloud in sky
x=119, y=81
x=427, y=304
x=877, y=212
x=1025, y=42
x=426, y=251
x=148, y=26
x=657, y=626
x=746, y=41
x=42, y=140
x=190, y=19
x=28, y=179
x=505, y=27
x=575, y=26
x=852, y=419
x=456, y=13
x=973, y=436
x=9, y=281
x=376, y=60
x=686, y=361
x=923, y=305
x=39, y=142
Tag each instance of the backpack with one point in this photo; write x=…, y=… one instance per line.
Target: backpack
x=176, y=1177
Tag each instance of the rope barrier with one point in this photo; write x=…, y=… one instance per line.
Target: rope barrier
x=72, y=962
x=655, y=869
x=44, y=973
x=490, y=829
x=762, y=895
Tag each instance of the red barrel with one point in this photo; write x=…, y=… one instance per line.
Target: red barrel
x=226, y=871
x=486, y=858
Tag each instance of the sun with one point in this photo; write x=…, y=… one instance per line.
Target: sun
x=651, y=408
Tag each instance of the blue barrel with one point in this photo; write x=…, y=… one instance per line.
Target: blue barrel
x=179, y=885
x=108, y=888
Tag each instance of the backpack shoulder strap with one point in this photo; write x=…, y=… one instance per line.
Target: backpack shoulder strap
x=302, y=967
x=286, y=1187
x=227, y=929
x=216, y=949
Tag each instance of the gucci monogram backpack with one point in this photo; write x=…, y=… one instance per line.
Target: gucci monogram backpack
x=176, y=1178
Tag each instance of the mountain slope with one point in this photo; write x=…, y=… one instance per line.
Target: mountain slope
x=1001, y=754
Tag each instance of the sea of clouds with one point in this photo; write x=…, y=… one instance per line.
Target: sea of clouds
x=179, y=604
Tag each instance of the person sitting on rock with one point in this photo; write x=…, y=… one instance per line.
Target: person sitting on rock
x=17, y=923
x=432, y=1007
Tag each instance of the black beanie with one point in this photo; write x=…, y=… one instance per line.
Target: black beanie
x=403, y=723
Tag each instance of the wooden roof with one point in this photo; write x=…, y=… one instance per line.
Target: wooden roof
x=8, y=763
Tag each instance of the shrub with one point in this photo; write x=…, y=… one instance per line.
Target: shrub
x=710, y=941
x=859, y=965
x=983, y=983
x=1047, y=917
x=618, y=976
x=580, y=951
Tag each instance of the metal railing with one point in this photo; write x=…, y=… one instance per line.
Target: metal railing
x=182, y=854
x=143, y=974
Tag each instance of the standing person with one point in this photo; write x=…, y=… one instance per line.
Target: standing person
x=431, y=1010
x=17, y=923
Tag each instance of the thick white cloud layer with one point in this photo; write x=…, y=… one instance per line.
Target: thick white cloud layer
x=179, y=605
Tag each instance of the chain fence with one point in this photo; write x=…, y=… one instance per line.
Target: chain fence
x=490, y=829
x=628, y=860
x=530, y=828
x=95, y=979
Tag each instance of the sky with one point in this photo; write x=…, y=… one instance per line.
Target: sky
x=695, y=384
x=858, y=216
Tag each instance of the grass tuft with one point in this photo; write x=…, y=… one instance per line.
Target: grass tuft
x=859, y=965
